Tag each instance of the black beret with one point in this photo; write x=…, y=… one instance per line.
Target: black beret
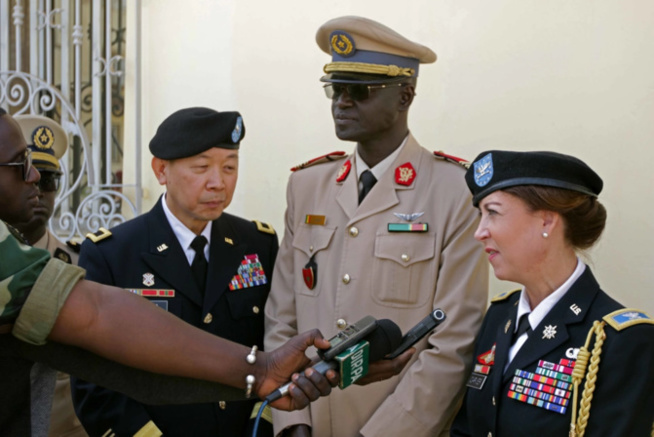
x=190, y=131
x=498, y=169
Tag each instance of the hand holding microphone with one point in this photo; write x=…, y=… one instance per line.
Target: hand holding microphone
x=351, y=350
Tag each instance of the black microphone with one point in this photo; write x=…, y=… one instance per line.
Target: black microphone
x=352, y=362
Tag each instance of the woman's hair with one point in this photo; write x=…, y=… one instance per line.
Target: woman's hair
x=584, y=216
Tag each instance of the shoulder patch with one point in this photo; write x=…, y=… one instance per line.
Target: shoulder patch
x=74, y=245
x=99, y=236
x=503, y=296
x=451, y=158
x=61, y=254
x=264, y=227
x=627, y=317
x=334, y=156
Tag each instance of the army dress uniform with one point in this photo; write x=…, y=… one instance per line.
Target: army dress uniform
x=144, y=256
x=365, y=268
x=534, y=395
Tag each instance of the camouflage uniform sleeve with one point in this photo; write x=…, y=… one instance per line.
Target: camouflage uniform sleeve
x=33, y=288
x=20, y=267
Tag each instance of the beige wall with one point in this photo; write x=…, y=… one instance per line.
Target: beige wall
x=574, y=77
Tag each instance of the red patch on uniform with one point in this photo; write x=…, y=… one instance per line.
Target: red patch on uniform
x=344, y=171
x=309, y=278
x=405, y=174
x=487, y=358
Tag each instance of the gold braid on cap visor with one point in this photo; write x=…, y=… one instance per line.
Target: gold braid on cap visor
x=360, y=67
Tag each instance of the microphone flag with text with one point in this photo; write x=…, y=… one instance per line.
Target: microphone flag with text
x=363, y=342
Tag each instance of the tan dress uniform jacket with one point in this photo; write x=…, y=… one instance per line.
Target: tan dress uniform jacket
x=363, y=269
x=63, y=421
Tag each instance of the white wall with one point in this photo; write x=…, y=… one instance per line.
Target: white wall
x=574, y=77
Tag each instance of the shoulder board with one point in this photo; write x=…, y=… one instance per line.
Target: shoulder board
x=627, y=317
x=74, y=245
x=462, y=162
x=61, y=254
x=319, y=160
x=503, y=296
x=264, y=227
x=99, y=236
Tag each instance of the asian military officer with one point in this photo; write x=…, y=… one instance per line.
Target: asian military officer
x=48, y=142
x=386, y=231
x=192, y=259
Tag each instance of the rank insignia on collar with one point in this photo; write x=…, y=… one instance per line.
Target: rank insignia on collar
x=405, y=174
x=344, y=171
x=229, y=241
x=161, y=247
x=549, y=332
x=507, y=326
x=148, y=279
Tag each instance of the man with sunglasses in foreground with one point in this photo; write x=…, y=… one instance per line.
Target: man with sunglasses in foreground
x=386, y=231
x=48, y=142
x=45, y=304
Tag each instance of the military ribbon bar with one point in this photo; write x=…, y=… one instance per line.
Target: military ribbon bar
x=408, y=227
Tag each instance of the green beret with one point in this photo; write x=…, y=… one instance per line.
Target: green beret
x=498, y=169
x=191, y=131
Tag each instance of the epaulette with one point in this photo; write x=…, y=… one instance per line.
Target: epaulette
x=264, y=227
x=627, y=317
x=74, y=245
x=61, y=254
x=99, y=236
x=462, y=162
x=503, y=296
x=319, y=160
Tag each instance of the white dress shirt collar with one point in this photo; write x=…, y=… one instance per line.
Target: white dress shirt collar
x=184, y=235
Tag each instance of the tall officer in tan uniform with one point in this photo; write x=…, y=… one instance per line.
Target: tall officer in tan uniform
x=406, y=248
x=48, y=142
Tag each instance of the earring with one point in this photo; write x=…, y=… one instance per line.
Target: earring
x=545, y=235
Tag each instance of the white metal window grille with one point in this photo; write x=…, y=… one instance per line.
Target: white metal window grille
x=65, y=59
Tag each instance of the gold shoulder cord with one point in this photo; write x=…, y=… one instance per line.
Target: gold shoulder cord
x=578, y=426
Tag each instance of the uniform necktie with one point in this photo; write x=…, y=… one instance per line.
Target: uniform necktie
x=523, y=326
x=368, y=180
x=199, y=264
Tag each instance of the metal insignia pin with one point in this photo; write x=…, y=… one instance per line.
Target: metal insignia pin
x=408, y=217
x=148, y=279
x=229, y=241
x=162, y=247
x=549, y=332
x=575, y=309
x=507, y=326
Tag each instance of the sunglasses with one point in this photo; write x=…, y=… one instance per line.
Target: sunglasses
x=49, y=181
x=26, y=164
x=357, y=92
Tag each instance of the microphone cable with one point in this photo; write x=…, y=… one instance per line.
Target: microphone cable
x=256, y=420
